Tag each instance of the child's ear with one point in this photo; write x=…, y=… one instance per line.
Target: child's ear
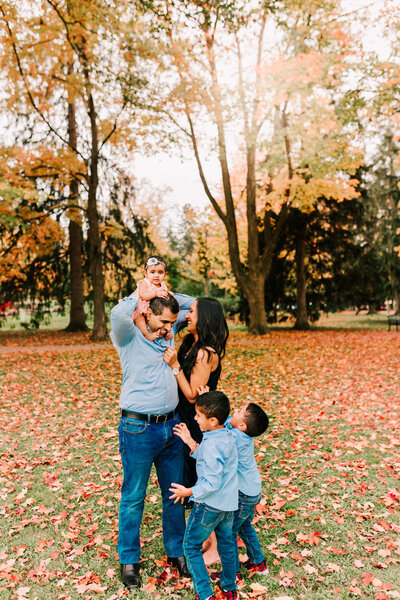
x=242, y=426
x=214, y=421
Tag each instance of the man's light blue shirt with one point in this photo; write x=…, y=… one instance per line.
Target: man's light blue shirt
x=216, y=467
x=148, y=384
x=248, y=475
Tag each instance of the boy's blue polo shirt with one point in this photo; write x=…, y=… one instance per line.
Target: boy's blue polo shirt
x=148, y=384
x=216, y=466
x=248, y=475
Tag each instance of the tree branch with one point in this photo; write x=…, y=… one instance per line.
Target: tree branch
x=29, y=93
x=213, y=201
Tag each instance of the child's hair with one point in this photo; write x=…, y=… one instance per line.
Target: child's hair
x=214, y=404
x=154, y=259
x=256, y=420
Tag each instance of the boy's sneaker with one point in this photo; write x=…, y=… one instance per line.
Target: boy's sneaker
x=217, y=576
x=228, y=594
x=260, y=568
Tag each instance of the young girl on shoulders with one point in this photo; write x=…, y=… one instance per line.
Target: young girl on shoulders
x=151, y=286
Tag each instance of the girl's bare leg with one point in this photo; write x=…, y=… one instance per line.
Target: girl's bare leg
x=210, y=552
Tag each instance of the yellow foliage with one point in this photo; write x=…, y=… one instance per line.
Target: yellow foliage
x=303, y=194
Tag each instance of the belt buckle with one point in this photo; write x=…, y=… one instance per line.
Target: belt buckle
x=160, y=418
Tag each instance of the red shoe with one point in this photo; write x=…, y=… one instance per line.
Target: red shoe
x=260, y=568
x=228, y=594
x=212, y=597
x=217, y=576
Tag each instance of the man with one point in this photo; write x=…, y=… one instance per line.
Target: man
x=148, y=401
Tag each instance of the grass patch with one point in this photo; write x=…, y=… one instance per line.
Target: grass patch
x=329, y=518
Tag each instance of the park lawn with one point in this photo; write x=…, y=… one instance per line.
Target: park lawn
x=329, y=518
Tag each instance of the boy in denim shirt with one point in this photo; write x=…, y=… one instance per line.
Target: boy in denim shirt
x=247, y=423
x=215, y=494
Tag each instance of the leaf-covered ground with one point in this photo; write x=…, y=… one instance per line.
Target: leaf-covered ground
x=330, y=462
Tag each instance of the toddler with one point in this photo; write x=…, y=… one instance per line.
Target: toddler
x=150, y=287
x=215, y=494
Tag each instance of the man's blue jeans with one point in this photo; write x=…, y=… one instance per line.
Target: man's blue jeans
x=142, y=443
x=202, y=521
x=242, y=526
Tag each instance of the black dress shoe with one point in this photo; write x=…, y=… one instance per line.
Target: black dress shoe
x=130, y=576
x=180, y=563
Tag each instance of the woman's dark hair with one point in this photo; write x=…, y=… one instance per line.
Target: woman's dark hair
x=212, y=330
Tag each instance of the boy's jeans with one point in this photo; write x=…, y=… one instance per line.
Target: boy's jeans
x=142, y=443
x=242, y=525
x=202, y=521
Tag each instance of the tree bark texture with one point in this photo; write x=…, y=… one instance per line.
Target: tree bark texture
x=95, y=254
x=77, y=320
x=301, y=296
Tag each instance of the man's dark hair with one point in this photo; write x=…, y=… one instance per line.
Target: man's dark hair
x=256, y=420
x=214, y=404
x=157, y=305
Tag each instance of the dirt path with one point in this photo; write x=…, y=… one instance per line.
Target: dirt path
x=104, y=346
x=43, y=348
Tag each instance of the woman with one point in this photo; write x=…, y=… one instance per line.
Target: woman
x=197, y=364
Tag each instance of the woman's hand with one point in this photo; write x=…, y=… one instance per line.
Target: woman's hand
x=179, y=492
x=203, y=389
x=171, y=358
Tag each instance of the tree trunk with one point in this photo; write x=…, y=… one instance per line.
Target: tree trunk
x=395, y=290
x=77, y=317
x=95, y=254
x=95, y=258
x=77, y=313
x=301, y=297
x=255, y=297
x=396, y=302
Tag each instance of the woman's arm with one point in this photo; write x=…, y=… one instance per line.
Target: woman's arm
x=200, y=374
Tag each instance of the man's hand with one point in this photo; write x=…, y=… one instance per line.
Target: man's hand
x=183, y=432
x=171, y=358
x=179, y=492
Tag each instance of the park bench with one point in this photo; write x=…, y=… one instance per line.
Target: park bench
x=393, y=320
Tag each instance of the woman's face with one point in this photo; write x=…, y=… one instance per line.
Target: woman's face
x=192, y=318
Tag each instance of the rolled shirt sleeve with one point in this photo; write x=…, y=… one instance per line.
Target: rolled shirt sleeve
x=123, y=328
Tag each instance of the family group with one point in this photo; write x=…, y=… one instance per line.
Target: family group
x=173, y=416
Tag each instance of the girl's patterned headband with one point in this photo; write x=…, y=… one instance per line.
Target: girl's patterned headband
x=150, y=262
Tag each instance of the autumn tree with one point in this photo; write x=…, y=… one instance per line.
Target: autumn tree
x=32, y=249
x=269, y=96
x=66, y=72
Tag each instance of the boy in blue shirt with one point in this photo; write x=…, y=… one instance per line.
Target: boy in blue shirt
x=247, y=423
x=215, y=495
